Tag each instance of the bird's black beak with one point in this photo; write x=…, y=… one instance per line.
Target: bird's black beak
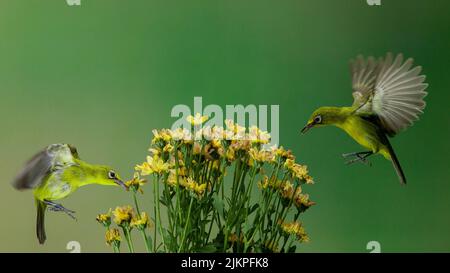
x=120, y=183
x=307, y=127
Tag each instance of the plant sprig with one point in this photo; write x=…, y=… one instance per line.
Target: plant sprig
x=207, y=182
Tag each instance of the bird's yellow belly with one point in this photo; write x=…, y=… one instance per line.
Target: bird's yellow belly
x=53, y=189
x=363, y=133
x=361, y=137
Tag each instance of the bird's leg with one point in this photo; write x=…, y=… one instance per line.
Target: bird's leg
x=58, y=207
x=360, y=156
x=356, y=154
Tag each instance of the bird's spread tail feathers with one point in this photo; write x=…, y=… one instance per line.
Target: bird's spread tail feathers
x=40, y=225
x=396, y=164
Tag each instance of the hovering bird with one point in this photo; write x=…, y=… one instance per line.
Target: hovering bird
x=55, y=173
x=388, y=97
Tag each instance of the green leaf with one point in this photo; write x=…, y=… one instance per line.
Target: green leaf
x=162, y=201
x=292, y=249
x=228, y=200
x=248, y=227
x=209, y=248
x=205, y=221
x=150, y=241
x=253, y=208
x=218, y=241
x=218, y=205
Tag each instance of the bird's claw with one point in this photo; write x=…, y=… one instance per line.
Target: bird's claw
x=72, y=216
x=348, y=155
x=63, y=209
x=360, y=156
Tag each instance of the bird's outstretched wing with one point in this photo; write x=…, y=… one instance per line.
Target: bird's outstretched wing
x=390, y=89
x=40, y=165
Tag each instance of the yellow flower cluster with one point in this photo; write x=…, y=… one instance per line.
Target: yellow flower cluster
x=193, y=186
x=272, y=183
x=272, y=246
x=284, y=154
x=287, y=192
x=141, y=222
x=197, y=120
x=232, y=131
x=194, y=163
x=104, y=219
x=298, y=171
x=262, y=156
x=153, y=164
x=112, y=236
x=300, y=200
x=259, y=136
x=123, y=215
x=136, y=183
x=125, y=218
x=181, y=134
x=162, y=135
x=296, y=229
x=186, y=182
x=228, y=144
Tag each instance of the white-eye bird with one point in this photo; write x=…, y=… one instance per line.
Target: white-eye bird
x=388, y=97
x=57, y=172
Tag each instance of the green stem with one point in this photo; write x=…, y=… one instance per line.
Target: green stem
x=147, y=246
x=155, y=199
x=178, y=216
x=186, y=225
x=284, y=243
x=136, y=204
x=159, y=215
x=115, y=248
x=210, y=226
x=248, y=194
x=169, y=206
x=267, y=201
x=275, y=222
x=295, y=219
x=126, y=231
x=139, y=217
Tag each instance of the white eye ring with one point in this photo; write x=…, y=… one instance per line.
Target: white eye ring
x=318, y=119
x=111, y=174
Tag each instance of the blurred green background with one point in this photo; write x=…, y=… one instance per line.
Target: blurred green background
x=104, y=74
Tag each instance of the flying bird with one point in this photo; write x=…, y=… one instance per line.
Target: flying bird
x=55, y=173
x=388, y=97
